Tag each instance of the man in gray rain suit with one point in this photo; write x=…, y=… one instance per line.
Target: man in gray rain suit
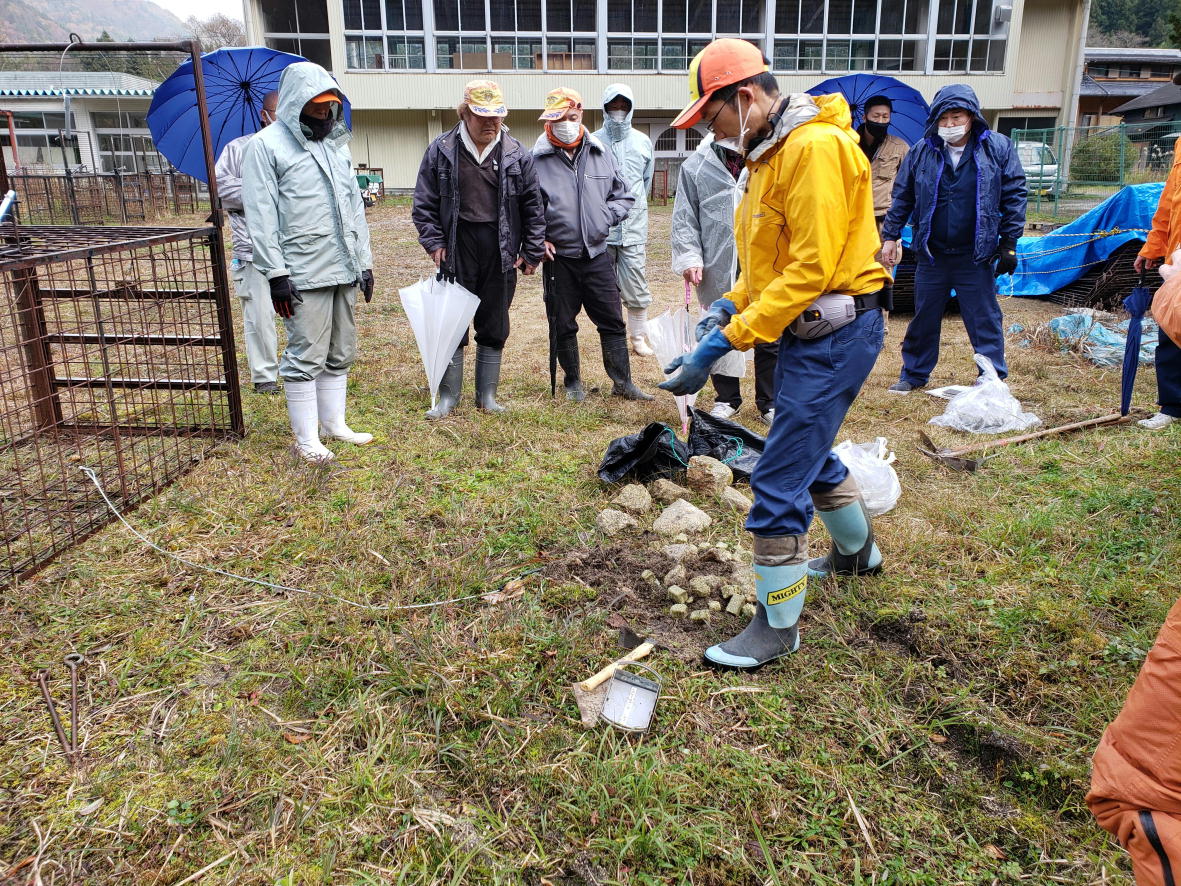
x=307, y=223
x=258, y=315
x=703, y=253
x=627, y=241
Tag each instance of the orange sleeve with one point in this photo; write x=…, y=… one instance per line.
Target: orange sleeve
x=1156, y=244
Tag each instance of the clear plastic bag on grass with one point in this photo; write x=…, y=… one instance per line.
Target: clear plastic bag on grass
x=987, y=407
x=872, y=466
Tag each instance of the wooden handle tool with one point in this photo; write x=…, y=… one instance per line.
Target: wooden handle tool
x=602, y=676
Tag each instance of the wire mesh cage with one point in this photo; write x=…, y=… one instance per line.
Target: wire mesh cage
x=116, y=351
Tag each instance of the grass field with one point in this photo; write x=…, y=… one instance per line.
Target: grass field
x=935, y=727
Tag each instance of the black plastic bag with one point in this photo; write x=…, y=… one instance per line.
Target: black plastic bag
x=653, y=453
x=727, y=441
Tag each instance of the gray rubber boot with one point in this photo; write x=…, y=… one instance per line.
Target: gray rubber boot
x=487, y=378
x=853, y=550
x=781, y=582
x=568, y=359
x=450, y=387
x=618, y=366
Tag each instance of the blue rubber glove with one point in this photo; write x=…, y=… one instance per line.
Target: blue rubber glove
x=719, y=314
x=695, y=365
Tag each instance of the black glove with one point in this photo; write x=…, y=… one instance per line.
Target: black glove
x=1005, y=257
x=283, y=295
x=367, y=285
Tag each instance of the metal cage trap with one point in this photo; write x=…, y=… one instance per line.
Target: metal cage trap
x=116, y=353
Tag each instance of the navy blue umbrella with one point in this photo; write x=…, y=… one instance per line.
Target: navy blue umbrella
x=1135, y=304
x=236, y=81
x=909, y=119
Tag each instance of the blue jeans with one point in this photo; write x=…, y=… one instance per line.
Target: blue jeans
x=975, y=287
x=1168, y=376
x=815, y=384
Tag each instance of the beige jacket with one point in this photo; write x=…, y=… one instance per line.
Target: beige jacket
x=885, y=167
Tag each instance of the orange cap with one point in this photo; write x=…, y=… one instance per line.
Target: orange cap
x=722, y=63
x=325, y=97
x=559, y=101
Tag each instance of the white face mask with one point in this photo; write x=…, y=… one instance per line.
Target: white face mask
x=566, y=131
x=737, y=143
x=952, y=133
x=617, y=116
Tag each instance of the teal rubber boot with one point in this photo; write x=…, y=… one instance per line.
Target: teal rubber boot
x=774, y=631
x=854, y=551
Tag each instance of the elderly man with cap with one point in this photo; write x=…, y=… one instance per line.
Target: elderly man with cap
x=584, y=197
x=258, y=315
x=806, y=236
x=311, y=241
x=627, y=242
x=478, y=211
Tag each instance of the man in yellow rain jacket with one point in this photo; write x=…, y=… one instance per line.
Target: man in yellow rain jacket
x=806, y=241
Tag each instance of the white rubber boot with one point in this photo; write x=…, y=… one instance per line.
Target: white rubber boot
x=331, y=391
x=303, y=411
x=637, y=328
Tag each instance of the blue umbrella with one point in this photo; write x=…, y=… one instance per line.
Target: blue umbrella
x=1135, y=304
x=236, y=81
x=909, y=119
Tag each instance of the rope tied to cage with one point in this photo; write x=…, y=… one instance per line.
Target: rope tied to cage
x=387, y=607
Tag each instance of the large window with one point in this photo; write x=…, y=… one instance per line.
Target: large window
x=948, y=36
x=822, y=36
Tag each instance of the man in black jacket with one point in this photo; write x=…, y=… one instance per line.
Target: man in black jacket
x=479, y=214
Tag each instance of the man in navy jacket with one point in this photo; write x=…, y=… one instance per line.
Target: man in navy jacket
x=963, y=190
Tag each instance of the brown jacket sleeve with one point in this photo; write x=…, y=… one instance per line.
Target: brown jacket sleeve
x=1136, y=782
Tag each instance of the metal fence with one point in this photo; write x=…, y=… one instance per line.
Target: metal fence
x=1071, y=170
x=88, y=198
x=116, y=353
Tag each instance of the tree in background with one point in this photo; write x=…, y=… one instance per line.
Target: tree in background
x=217, y=32
x=1130, y=23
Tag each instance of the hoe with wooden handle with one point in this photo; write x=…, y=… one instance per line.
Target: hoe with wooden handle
x=962, y=459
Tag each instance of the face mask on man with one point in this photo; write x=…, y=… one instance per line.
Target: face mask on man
x=951, y=134
x=566, y=131
x=876, y=129
x=318, y=129
x=617, y=116
x=737, y=143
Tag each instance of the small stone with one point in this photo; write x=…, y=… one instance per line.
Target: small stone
x=681, y=538
x=722, y=546
x=729, y=591
x=735, y=605
x=678, y=552
x=679, y=517
x=678, y=575
x=714, y=582
x=707, y=474
x=699, y=615
x=649, y=577
x=678, y=610
x=678, y=595
x=701, y=587
x=749, y=610
x=666, y=491
x=634, y=499
x=735, y=500
x=714, y=606
x=612, y=522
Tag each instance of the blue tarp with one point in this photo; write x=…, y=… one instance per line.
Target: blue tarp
x=1102, y=345
x=1048, y=263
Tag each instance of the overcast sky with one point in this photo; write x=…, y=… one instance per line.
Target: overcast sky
x=182, y=9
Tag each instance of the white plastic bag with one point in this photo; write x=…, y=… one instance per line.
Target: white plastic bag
x=872, y=466
x=987, y=407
